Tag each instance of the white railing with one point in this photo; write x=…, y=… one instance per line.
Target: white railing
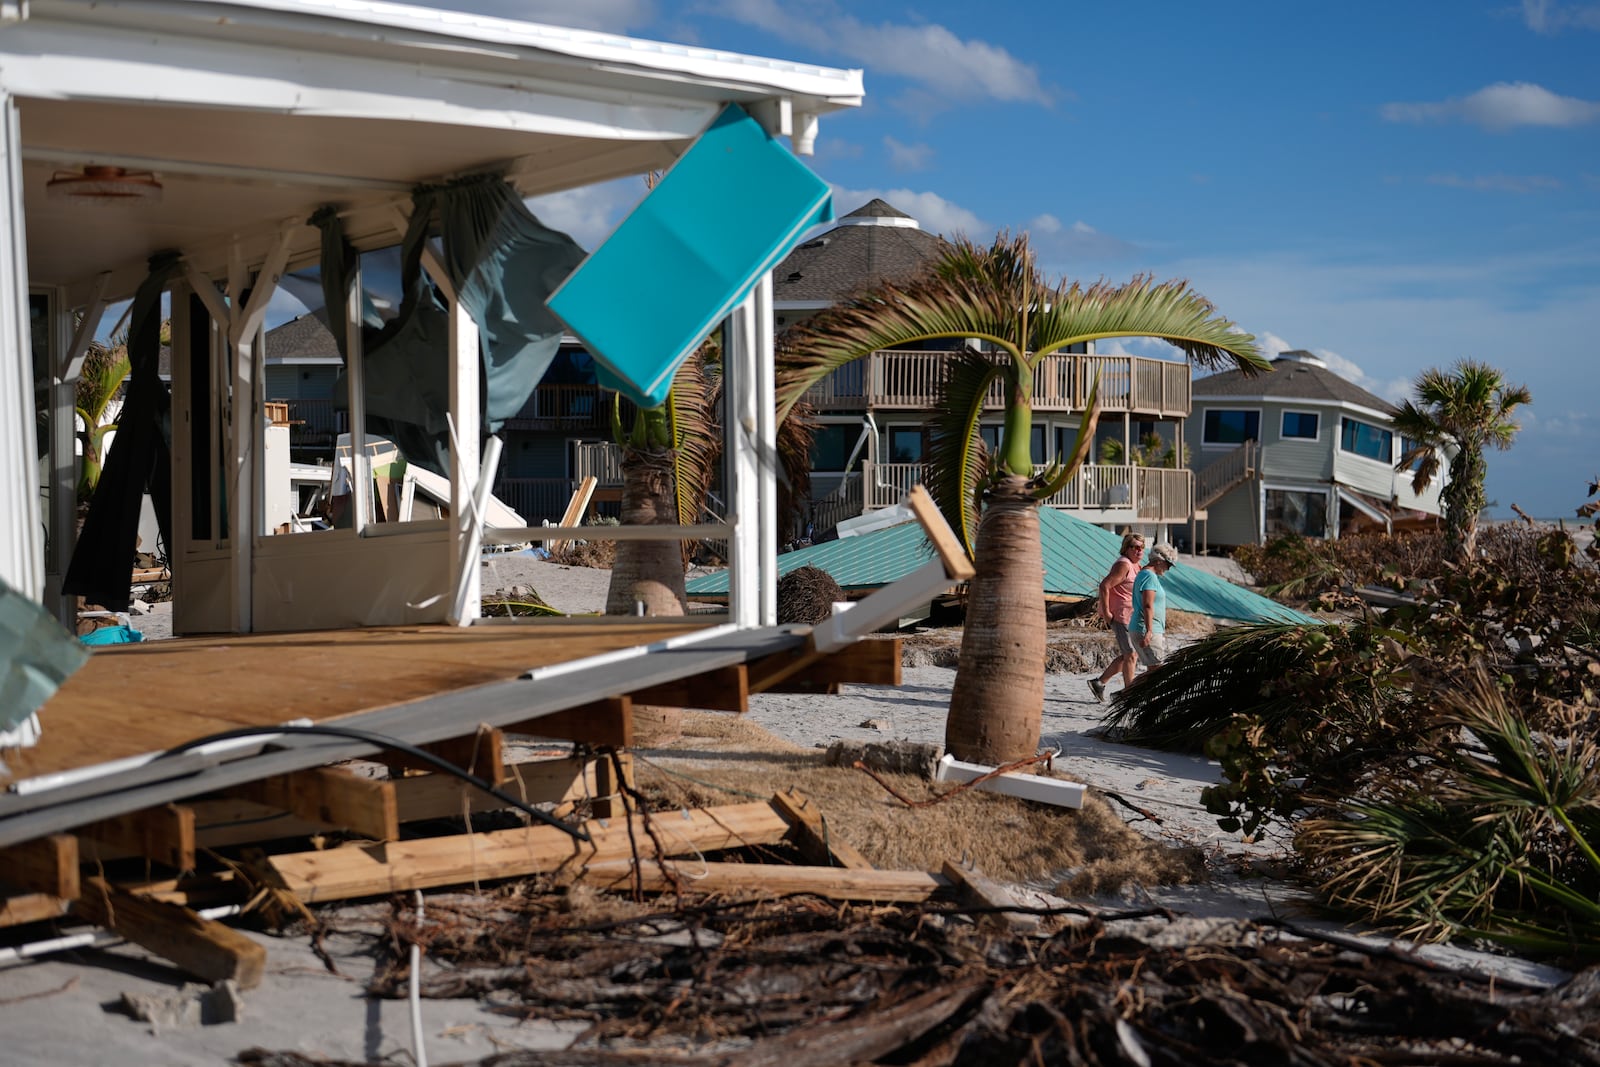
x=905, y=379
x=601, y=461
x=1143, y=494
x=535, y=499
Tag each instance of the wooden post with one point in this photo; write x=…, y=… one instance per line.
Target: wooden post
x=203, y=947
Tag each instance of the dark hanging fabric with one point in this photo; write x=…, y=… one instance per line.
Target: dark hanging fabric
x=140, y=460
x=503, y=262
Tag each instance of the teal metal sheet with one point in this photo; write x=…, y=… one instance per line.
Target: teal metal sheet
x=732, y=206
x=1077, y=555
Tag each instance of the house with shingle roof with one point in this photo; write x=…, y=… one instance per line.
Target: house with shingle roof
x=1301, y=450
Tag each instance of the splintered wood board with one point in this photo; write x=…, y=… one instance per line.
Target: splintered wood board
x=129, y=700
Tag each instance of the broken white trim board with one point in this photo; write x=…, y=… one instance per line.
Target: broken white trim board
x=1057, y=791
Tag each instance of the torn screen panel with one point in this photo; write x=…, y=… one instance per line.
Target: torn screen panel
x=733, y=206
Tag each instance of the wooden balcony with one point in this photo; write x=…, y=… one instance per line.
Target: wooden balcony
x=898, y=379
x=1101, y=493
x=565, y=407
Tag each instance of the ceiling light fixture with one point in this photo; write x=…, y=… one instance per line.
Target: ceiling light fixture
x=104, y=185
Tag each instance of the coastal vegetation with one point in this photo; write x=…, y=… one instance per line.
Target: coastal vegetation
x=1436, y=764
x=996, y=296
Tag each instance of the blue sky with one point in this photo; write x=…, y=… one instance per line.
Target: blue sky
x=1393, y=186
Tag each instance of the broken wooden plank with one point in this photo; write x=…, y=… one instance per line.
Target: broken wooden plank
x=47, y=865
x=723, y=689
x=957, y=564
x=577, y=507
x=481, y=753
x=811, y=834
x=203, y=947
x=700, y=876
x=370, y=870
x=873, y=661
x=331, y=796
x=164, y=834
x=600, y=722
x=979, y=891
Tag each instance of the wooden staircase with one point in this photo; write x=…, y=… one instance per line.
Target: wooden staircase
x=1222, y=475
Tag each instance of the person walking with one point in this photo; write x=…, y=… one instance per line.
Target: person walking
x=1149, y=623
x=1114, y=604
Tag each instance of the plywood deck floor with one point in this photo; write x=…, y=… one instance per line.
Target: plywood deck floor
x=133, y=699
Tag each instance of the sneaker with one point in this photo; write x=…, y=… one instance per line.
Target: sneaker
x=1097, y=687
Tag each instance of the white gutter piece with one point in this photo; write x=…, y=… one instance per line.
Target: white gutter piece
x=1057, y=791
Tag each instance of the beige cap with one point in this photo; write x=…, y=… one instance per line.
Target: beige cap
x=1164, y=552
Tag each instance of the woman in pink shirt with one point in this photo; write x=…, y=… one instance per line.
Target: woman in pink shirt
x=1115, y=605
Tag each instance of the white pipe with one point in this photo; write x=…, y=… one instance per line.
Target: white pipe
x=91, y=939
x=59, y=779
x=419, y=1051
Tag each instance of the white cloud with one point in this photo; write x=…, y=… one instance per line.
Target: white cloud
x=944, y=65
x=1552, y=16
x=908, y=156
x=611, y=16
x=1500, y=107
x=1497, y=183
x=589, y=213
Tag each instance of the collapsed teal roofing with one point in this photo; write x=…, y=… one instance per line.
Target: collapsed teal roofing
x=1077, y=555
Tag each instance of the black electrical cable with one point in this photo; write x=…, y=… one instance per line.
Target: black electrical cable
x=382, y=742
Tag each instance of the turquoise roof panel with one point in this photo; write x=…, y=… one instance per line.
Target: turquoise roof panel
x=1077, y=555
x=732, y=206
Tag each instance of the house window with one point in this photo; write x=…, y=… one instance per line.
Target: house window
x=1406, y=445
x=1300, y=424
x=831, y=445
x=1365, y=439
x=1225, y=427
x=1036, y=441
x=1291, y=511
x=905, y=444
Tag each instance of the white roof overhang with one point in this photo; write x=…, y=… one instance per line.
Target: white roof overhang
x=252, y=113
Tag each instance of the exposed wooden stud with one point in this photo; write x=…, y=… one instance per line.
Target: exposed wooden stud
x=723, y=689
x=331, y=796
x=164, y=834
x=608, y=802
x=30, y=908
x=481, y=753
x=46, y=865
x=699, y=876
x=810, y=833
x=602, y=722
x=577, y=507
x=203, y=947
x=371, y=870
x=874, y=661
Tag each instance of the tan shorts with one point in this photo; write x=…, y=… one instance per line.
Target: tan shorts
x=1152, y=654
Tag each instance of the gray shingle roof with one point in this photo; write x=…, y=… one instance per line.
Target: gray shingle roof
x=829, y=267
x=300, y=338
x=1290, y=379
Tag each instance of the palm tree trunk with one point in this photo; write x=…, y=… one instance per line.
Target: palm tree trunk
x=998, y=697
x=647, y=572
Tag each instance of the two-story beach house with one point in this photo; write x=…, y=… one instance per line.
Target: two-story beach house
x=872, y=435
x=1301, y=450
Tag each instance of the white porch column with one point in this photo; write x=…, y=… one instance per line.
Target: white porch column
x=466, y=414
x=244, y=482
x=750, y=445
x=21, y=520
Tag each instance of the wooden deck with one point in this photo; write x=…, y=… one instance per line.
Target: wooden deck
x=129, y=700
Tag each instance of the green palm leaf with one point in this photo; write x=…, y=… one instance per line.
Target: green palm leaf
x=958, y=464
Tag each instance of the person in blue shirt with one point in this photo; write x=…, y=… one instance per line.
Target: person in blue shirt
x=1148, y=626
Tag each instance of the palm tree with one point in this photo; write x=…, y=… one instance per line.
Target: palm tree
x=668, y=456
x=1463, y=409
x=997, y=296
x=105, y=367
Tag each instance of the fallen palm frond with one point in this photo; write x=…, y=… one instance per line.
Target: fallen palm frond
x=1201, y=687
x=1493, y=834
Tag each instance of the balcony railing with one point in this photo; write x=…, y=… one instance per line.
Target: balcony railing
x=899, y=379
x=315, y=422
x=564, y=407
x=1099, y=492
